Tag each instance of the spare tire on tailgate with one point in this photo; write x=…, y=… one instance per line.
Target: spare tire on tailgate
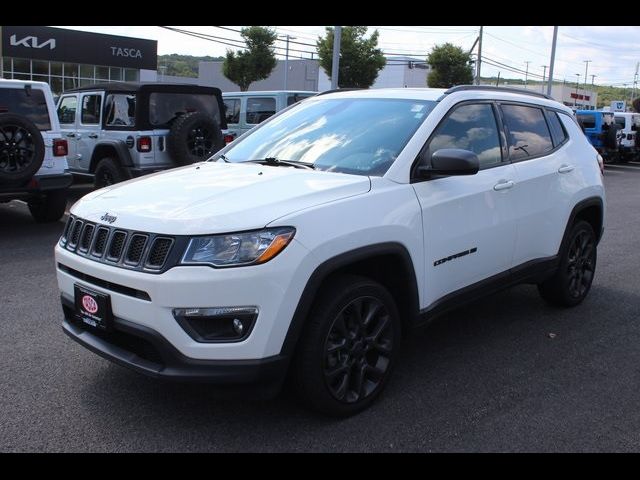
x=21, y=149
x=610, y=140
x=194, y=137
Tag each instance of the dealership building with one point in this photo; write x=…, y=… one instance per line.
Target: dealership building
x=69, y=58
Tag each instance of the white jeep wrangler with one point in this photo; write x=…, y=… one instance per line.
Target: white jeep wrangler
x=313, y=243
x=33, y=161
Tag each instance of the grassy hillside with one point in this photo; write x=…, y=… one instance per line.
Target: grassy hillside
x=182, y=65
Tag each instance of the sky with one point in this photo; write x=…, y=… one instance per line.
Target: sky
x=612, y=50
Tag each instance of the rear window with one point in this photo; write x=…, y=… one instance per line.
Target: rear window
x=164, y=107
x=619, y=121
x=120, y=110
x=260, y=108
x=586, y=121
x=29, y=103
x=529, y=135
x=557, y=130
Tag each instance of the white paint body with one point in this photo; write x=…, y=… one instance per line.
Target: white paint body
x=334, y=213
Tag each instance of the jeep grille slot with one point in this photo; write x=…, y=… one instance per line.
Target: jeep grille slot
x=85, y=239
x=75, y=234
x=101, y=242
x=116, y=246
x=136, y=249
x=159, y=252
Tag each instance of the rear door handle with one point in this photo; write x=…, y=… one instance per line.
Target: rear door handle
x=93, y=135
x=566, y=168
x=503, y=185
x=71, y=135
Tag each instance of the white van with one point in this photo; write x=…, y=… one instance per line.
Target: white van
x=629, y=124
x=244, y=110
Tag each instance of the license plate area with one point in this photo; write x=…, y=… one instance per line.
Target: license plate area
x=93, y=308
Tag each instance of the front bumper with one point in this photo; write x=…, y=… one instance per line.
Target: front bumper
x=146, y=351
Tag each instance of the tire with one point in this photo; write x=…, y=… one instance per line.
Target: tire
x=610, y=140
x=572, y=281
x=50, y=207
x=194, y=137
x=109, y=172
x=21, y=149
x=342, y=391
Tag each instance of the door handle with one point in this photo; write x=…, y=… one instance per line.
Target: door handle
x=93, y=135
x=503, y=185
x=566, y=168
x=71, y=135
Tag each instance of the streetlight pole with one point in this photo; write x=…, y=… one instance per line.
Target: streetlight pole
x=575, y=100
x=335, y=67
x=544, y=75
x=286, y=61
x=553, y=59
x=586, y=69
x=526, y=73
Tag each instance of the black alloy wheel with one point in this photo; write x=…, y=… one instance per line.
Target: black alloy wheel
x=17, y=148
x=357, y=350
x=581, y=264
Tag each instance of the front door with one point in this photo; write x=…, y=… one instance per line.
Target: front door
x=469, y=221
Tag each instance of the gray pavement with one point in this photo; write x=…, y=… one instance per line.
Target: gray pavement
x=485, y=378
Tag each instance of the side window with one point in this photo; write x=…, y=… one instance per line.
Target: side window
x=586, y=120
x=296, y=97
x=232, y=110
x=260, y=108
x=120, y=110
x=528, y=131
x=557, y=130
x=90, y=113
x=470, y=127
x=67, y=110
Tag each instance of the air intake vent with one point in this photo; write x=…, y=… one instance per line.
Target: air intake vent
x=101, y=242
x=75, y=233
x=116, y=246
x=159, y=252
x=85, y=239
x=135, y=250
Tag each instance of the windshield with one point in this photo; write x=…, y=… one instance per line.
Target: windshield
x=361, y=136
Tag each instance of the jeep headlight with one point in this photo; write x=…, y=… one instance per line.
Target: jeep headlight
x=235, y=249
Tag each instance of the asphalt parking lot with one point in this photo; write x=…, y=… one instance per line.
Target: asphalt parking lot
x=488, y=377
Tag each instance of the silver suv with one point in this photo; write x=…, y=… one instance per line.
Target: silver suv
x=117, y=131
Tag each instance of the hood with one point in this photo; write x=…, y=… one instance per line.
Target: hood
x=212, y=197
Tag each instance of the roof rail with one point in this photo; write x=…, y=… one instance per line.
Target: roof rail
x=522, y=91
x=337, y=90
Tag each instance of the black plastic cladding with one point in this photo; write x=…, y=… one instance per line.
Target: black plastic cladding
x=132, y=250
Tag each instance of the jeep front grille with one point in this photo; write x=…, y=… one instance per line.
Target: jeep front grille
x=119, y=247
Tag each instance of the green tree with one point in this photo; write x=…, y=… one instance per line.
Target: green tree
x=360, y=58
x=450, y=66
x=256, y=62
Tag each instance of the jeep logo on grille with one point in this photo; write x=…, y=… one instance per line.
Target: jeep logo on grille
x=108, y=218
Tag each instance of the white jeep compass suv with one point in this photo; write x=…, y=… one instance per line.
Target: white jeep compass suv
x=309, y=246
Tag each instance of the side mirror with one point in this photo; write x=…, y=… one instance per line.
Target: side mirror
x=451, y=161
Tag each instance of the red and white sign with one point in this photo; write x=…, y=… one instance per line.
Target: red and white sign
x=89, y=304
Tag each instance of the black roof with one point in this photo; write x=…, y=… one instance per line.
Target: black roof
x=138, y=86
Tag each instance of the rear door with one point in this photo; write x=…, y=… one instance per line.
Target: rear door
x=67, y=109
x=545, y=176
x=89, y=127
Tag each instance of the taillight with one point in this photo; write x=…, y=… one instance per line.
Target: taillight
x=60, y=147
x=228, y=138
x=144, y=144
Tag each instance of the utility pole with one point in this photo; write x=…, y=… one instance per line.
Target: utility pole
x=544, y=75
x=586, y=69
x=575, y=100
x=553, y=59
x=593, y=88
x=526, y=73
x=498, y=79
x=286, y=61
x=635, y=82
x=335, y=67
x=478, y=64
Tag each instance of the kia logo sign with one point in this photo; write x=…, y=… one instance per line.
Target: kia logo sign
x=32, y=42
x=89, y=304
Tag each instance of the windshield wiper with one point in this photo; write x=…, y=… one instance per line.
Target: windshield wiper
x=276, y=162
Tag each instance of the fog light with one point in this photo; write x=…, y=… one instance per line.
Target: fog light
x=217, y=324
